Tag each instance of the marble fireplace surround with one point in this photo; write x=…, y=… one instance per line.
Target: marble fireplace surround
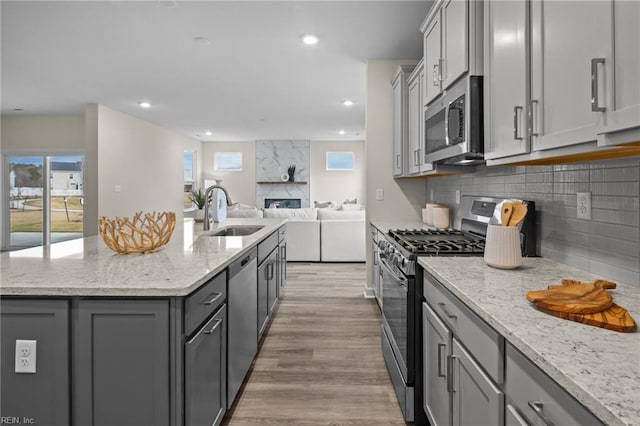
x=273, y=158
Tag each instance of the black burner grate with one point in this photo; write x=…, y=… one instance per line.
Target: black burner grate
x=448, y=241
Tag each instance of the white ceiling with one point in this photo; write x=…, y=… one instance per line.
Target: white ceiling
x=254, y=80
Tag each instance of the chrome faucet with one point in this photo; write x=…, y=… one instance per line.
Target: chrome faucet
x=207, y=194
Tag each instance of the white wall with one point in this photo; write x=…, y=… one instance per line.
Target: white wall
x=144, y=160
x=337, y=185
x=403, y=198
x=240, y=185
x=43, y=134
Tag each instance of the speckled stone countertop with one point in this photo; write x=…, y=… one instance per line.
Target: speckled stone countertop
x=87, y=267
x=600, y=368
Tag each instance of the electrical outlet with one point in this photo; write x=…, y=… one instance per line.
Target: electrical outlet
x=379, y=194
x=457, y=196
x=584, y=205
x=431, y=195
x=25, y=356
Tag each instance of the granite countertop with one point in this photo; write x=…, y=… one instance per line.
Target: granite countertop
x=599, y=367
x=87, y=267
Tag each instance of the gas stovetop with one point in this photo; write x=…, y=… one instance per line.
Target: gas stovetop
x=438, y=242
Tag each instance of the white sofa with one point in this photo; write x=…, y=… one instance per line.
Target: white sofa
x=323, y=235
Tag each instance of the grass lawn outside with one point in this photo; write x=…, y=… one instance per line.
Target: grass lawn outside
x=73, y=203
x=31, y=221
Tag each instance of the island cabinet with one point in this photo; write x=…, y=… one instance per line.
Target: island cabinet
x=267, y=280
x=282, y=260
x=119, y=360
x=42, y=397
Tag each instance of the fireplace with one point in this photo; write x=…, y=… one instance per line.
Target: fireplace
x=282, y=203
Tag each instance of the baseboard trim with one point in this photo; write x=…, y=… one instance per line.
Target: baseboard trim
x=369, y=293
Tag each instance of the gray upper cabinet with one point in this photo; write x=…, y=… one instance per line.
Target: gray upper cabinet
x=400, y=107
x=43, y=396
x=415, y=156
x=506, y=81
x=121, y=362
x=432, y=58
x=565, y=105
x=621, y=118
x=559, y=77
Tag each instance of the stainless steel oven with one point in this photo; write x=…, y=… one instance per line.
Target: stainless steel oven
x=453, y=125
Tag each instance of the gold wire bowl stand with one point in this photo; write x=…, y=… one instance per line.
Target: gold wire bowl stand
x=144, y=233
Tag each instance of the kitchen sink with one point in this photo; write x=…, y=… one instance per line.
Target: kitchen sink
x=236, y=231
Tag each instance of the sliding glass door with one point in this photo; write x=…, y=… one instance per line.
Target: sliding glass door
x=45, y=199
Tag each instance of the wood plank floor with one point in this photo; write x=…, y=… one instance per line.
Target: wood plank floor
x=320, y=362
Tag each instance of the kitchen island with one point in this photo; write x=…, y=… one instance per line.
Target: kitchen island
x=599, y=368
x=139, y=338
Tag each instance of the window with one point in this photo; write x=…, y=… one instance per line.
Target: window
x=189, y=167
x=340, y=160
x=227, y=161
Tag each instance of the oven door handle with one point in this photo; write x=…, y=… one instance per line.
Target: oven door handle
x=398, y=277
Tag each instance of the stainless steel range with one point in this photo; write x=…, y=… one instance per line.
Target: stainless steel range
x=402, y=289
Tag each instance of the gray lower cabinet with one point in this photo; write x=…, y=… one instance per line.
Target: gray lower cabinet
x=121, y=362
x=205, y=372
x=437, y=347
x=42, y=397
x=538, y=400
x=476, y=399
x=267, y=290
x=282, y=261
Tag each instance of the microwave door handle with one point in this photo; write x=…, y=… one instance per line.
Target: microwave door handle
x=446, y=125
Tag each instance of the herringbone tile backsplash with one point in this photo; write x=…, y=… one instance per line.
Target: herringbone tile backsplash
x=608, y=244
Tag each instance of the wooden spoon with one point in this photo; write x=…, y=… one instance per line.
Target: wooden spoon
x=505, y=214
x=519, y=212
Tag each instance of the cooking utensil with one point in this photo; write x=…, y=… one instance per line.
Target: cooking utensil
x=519, y=211
x=505, y=213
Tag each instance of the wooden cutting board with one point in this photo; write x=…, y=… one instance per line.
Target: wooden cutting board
x=572, y=297
x=614, y=317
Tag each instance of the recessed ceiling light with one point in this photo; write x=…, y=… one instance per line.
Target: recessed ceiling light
x=347, y=102
x=341, y=132
x=208, y=133
x=310, y=39
x=18, y=109
x=144, y=104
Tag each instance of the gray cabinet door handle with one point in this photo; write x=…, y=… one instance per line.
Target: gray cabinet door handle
x=537, y=407
x=397, y=161
x=215, y=325
x=435, y=74
x=515, y=122
x=441, y=346
x=214, y=297
x=594, y=85
x=450, y=367
x=534, y=116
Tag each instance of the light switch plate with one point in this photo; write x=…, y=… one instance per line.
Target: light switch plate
x=117, y=188
x=25, y=356
x=379, y=194
x=457, y=196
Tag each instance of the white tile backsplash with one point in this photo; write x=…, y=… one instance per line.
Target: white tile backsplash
x=608, y=244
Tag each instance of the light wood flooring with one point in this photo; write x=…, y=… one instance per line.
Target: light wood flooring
x=320, y=362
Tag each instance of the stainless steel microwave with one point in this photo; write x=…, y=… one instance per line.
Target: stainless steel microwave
x=453, y=125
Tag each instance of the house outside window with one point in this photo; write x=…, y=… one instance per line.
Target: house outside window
x=227, y=161
x=189, y=168
x=340, y=161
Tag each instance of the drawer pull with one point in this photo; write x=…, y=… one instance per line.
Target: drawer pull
x=212, y=329
x=214, y=297
x=245, y=260
x=447, y=313
x=537, y=407
x=441, y=346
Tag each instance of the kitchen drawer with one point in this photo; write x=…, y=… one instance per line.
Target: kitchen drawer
x=282, y=233
x=204, y=301
x=531, y=389
x=266, y=246
x=486, y=345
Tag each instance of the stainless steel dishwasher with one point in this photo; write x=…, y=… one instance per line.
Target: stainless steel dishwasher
x=242, y=305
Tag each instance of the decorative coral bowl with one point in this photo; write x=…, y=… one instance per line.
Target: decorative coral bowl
x=144, y=233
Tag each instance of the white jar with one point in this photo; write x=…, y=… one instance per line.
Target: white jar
x=502, y=247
